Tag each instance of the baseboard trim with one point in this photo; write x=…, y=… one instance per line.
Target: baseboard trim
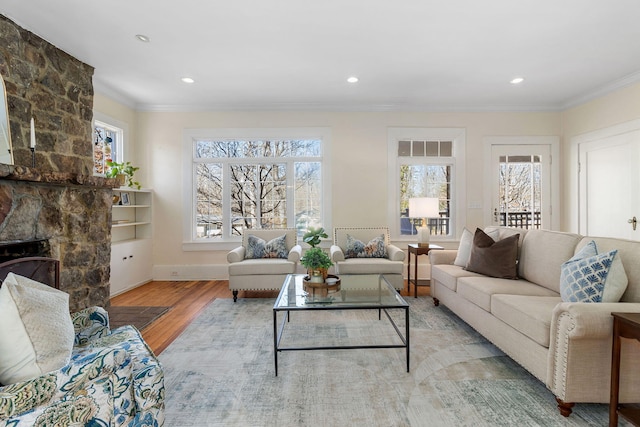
x=191, y=272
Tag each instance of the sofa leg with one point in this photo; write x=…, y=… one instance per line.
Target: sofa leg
x=235, y=296
x=565, y=407
x=436, y=302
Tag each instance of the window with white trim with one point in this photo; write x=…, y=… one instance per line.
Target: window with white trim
x=427, y=163
x=246, y=183
x=425, y=171
x=108, y=141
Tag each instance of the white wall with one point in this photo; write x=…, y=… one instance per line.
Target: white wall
x=359, y=164
x=620, y=106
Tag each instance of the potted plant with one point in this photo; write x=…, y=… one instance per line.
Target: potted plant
x=317, y=262
x=315, y=259
x=125, y=169
x=313, y=236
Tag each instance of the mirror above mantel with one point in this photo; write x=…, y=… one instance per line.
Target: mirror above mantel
x=6, y=152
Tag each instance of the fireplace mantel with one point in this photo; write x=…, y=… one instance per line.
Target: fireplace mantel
x=23, y=173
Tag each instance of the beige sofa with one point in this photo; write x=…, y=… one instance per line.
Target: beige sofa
x=262, y=274
x=392, y=266
x=565, y=345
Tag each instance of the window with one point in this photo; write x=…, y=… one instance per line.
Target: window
x=263, y=182
x=427, y=163
x=107, y=145
x=520, y=192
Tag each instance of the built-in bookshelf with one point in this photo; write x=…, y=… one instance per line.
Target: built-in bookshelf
x=131, y=239
x=131, y=215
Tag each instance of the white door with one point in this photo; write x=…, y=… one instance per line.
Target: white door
x=521, y=185
x=609, y=180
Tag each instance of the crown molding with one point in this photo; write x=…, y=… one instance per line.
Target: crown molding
x=603, y=90
x=108, y=91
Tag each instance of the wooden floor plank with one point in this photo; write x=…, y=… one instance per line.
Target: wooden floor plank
x=186, y=299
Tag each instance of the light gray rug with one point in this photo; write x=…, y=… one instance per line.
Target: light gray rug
x=220, y=372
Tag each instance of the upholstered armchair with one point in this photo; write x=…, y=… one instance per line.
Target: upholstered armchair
x=358, y=251
x=69, y=369
x=263, y=260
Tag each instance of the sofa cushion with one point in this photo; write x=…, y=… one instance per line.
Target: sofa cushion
x=590, y=276
x=37, y=333
x=369, y=266
x=260, y=248
x=466, y=242
x=549, y=249
x=375, y=248
x=527, y=314
x=479, y=290
x=495, y=259
x=448, y=274
x=629, y=253
x=262, y=267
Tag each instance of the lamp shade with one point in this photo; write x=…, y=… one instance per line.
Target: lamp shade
x=424, y=207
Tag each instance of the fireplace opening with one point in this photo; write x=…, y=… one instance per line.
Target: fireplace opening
x=26, y=248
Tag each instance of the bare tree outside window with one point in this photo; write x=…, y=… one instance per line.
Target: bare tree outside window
x=425, y=174
x=425, y=181
x=262, y=184
x=520, y=191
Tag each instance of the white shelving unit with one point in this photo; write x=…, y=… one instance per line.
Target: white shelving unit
x=131, y=239
x=131, y=216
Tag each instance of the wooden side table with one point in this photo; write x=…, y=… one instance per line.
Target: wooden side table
x=625, y=325
x=417, y=250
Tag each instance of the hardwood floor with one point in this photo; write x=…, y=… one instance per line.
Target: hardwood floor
x=187, y=300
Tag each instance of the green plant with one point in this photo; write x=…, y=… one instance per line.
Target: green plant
x=316, y=258
x=124, y=168
x=313, y=235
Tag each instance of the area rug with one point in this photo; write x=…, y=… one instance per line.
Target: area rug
x=138, y=316
x=220, y=372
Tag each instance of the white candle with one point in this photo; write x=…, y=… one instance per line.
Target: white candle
x=33, y=134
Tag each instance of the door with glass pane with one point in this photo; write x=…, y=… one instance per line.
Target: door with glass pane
x=521, y=186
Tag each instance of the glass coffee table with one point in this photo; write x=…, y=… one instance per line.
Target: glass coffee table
x=362, y=292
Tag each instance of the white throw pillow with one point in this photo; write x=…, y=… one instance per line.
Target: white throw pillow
x=36, y=331
x=466, y=243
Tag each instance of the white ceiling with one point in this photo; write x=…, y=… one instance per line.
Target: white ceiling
x=297, y=54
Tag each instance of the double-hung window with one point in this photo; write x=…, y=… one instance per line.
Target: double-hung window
x=426, y=162
x=242, y=182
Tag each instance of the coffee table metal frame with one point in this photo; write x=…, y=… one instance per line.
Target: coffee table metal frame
x=375, y=303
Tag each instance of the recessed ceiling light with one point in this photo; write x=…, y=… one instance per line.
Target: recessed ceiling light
x=517, y=80
x=143, y=38
x=352, y=79
x=187, y=80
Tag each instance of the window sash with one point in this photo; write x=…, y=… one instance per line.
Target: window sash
x=450, y=143
x=225, y=224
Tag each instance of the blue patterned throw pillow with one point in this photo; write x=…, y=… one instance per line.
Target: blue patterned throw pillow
x=592, y=277
x=375, y=248
x=260, y=248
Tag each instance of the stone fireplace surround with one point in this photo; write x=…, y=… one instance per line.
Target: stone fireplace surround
x=58, y=202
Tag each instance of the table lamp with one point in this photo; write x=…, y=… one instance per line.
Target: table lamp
x=423, y=207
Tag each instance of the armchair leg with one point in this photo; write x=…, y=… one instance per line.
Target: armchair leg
x=235, y=296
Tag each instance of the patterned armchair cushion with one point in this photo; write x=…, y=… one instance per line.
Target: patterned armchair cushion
x=89, y=324
x=148, y=378
x=260, y=248
x=375, y=248
x=91, y=390
x=113, y=379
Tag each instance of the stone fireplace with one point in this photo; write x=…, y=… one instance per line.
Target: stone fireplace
x=58, y=202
